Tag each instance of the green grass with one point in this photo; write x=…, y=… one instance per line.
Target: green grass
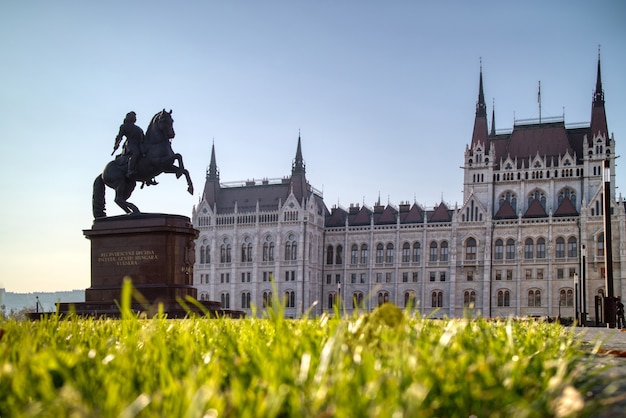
x=387, y=363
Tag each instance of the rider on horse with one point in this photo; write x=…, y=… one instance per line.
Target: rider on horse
x=134, y=137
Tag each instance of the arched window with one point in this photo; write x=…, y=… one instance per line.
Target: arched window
x=330, y=251
x=383, y=297
x=225, y=300
x=537, y=195
x=534, y=297
x=380, y=248
x=267, y=299
x=339, y=255
x=357, y=300
x=567, y=193
x=332, y=300
x=406, y=252
x=541, y=248
x=205, y=254
x=504, y=298
x=529, y=249
x=566, y=297
x=246, y=251
x=443, y=256
x=245, y=300
x=364, y=254
x=560, y=247
x=469, y=298
x=354, y=254
x=290, y=299
x=510, y=249
x=410, y=299
x=225, y=252
x=509, y=197
x=417, y=252
x=470, y=249
x=572, y=247
x=600, y=245
x=433, y=251
x=498, y=249
x=389, y=253
x=437, y=299
x=291, y=248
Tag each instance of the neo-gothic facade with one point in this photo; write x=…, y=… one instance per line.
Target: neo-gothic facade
x=530, y=229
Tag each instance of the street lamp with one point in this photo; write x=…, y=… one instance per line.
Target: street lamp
x=609, y=299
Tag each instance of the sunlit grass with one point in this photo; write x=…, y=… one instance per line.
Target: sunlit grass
x=387, y=363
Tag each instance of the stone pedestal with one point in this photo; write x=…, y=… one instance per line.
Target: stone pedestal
x=156, y=251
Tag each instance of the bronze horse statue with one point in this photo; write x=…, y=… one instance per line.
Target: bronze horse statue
x=157, y=158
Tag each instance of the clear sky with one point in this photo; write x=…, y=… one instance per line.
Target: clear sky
x=383, y=93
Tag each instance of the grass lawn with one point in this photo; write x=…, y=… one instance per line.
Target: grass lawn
x=388, y=363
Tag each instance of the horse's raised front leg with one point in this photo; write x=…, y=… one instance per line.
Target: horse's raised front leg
x=179, y=172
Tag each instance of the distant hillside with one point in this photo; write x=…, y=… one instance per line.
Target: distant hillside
x=10, y=301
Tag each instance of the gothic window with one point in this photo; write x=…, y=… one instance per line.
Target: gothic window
x=389, y=254
x=566, y=297
x=470, y=249
x=499, y=249
x=537, y=195
x=433, y=251
x=246, y=251
x=205, y=254
x=288, y=245
x=383, y=297
x=357, y=300
x=354, y=254
x=290, y=299
x=560, y=247
x=267, y=299
x=572, y=247
x=443, y=255
x=528, y=249
x=364, y=254
x=504, y=298
x=330, y=251
x=245, y=300
x=509, y=197
x=541, y=248
x=417, y=252
x=600, y=245
x=380, y=248
x=406, y=252
x=437, y=299
x=569, y=194
x=410, y=299
x=534, y=297
x=510, y=249
x=225, y=300
x=469, y=298
x=339, y=255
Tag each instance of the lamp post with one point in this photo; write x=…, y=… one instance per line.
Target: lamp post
x=609, y=299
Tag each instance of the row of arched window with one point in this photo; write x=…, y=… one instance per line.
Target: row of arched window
x=246, y=251
x=289, y=299
x=511, y=197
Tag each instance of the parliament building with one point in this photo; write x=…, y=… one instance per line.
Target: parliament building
x=527, y=241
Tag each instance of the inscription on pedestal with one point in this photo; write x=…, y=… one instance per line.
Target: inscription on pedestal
x=127, y=258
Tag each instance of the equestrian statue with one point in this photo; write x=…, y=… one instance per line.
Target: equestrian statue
x=143, y=158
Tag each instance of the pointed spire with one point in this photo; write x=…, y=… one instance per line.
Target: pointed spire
x=298, y=164
x=212, y=172
x=480, y=122
x=493, y=119
x=598, y=96
x=481, y=107
x=598, y=113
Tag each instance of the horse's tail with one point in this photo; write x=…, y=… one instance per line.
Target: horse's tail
x=97, y=199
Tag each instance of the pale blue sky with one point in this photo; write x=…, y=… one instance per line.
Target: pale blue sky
x=383, y=93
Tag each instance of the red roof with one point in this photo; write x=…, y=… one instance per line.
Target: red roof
x=415, y=215
x=506, y=211
x=566, y=208
x=535, y=210
x=440, y=214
